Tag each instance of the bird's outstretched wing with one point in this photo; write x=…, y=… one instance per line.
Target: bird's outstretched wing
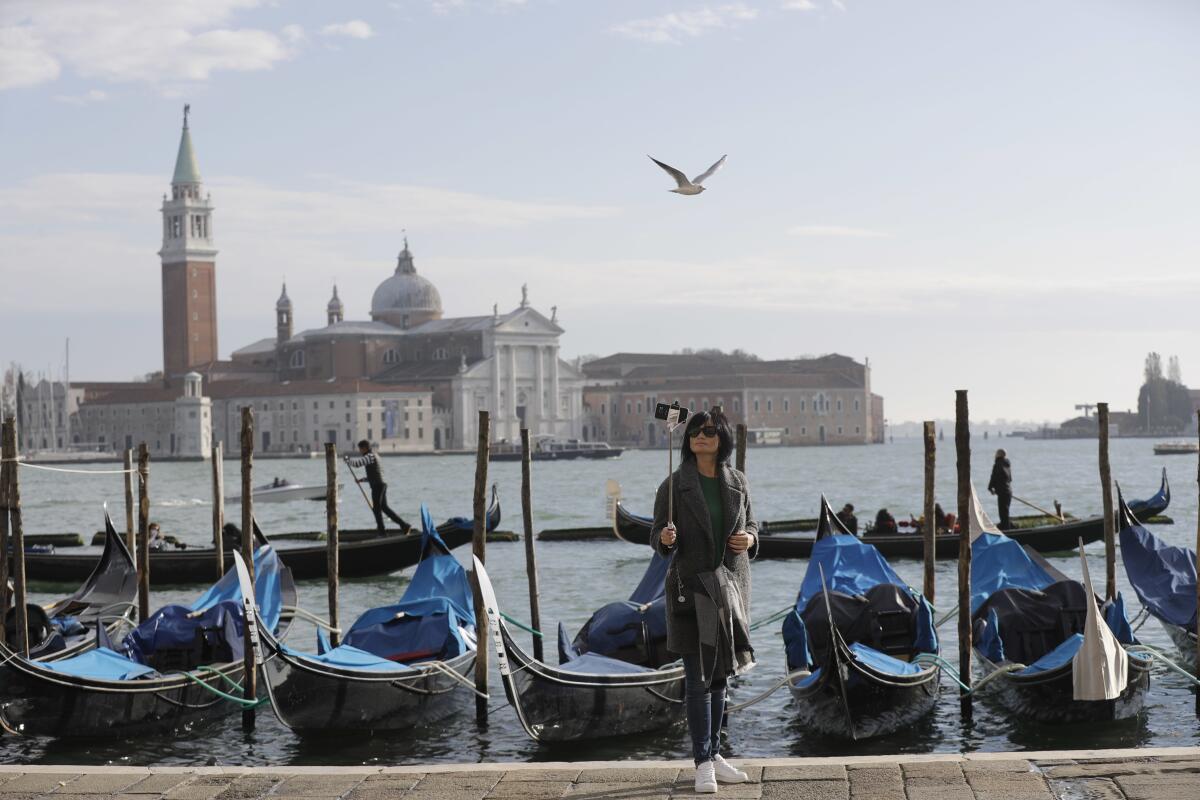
x=679, y=177
x=708, y=173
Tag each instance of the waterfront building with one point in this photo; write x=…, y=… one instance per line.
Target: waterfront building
x=409, y=378
x=813, y=401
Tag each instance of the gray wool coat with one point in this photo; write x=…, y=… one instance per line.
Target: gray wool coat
x=693, y=543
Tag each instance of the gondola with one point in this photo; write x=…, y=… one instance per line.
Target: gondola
x=1032, y=621
x=397, y=667
x=852, y=641
x=1045, y=538
x=163, y=678
x=1164, y=578
x=592, y=695
x=67, y=627
x=357, y=559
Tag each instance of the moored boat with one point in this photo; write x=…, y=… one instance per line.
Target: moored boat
x=552, y=448
x=1041, y=632
x=397, y=667
x=591, y=695
x=1176, y=448
x=853, y=641
x=1061, y=537
x=376, y=556
x=282, y=491
x=1164, y=578
x=174, y=672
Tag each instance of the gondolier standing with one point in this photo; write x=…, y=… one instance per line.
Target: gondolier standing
x=1001, y=486
x=714, y=532
x=374, y=478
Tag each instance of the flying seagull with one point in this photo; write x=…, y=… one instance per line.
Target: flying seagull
x=689, y=186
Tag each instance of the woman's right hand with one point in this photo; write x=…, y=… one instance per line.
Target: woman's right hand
x=667, y=535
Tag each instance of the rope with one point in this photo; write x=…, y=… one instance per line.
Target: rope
x=311, y=617
x=21, y=463
x=1140, y=619
x=784, y=681
x=522, y=626
x=778, y=615
x=949, y=669
x=442, y=667
x=241, y=701
x=949, y=616
x=1157, y=655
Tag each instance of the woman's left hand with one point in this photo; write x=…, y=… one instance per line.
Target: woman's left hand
x=740, y=542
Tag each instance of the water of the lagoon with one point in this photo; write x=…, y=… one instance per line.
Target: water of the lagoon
x=578, y=577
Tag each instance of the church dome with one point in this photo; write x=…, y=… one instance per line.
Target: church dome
x=406, y=299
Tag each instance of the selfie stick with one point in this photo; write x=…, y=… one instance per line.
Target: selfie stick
x=673, y=419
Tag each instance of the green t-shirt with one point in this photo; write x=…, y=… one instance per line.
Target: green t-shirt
x=716, y=515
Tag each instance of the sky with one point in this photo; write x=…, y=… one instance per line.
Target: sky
x=993, y=197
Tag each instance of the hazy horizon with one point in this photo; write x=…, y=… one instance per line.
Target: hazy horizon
x=1001, y=199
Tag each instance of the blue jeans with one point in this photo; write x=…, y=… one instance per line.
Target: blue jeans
x=705, y=710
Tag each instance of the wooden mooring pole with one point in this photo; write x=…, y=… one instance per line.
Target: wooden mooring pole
x=5, y=466
x=250, y=676
x=962, y=447
x=1198, y=554
x=12, y=516
x=1110, y=533
x=130, y=536
x=930, y=530
x=535, y=614
x=331, y=538
x=218, y=515
x=479, y=549
x=143, y=535
x=740, y=450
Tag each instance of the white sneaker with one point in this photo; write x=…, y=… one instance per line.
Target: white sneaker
x=706, y=779
x=726, y=772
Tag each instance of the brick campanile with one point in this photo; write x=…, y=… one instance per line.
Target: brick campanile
x=189, y=270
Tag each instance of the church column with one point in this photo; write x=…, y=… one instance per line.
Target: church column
x=555, y=403
x=496, y=411
x=540, y=384
x=514, y=423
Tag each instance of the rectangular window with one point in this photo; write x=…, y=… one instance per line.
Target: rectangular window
x=370, y=433
x=803, y=431
x=602, y=411
x=316, y=436
x=314, y=423
x=839, y=430
x=856, y=404
x=787, y=405
x=628, y=407
x=347, y=435
x=756, y=404
x=737, y=404
x=368, y=419
x=331, y=404
x=639, y=406
x=839, y=404
x=420, y=433
x=857, y=429
x=406, y=433
x=768, y=404
x=802, y=405
x=347, y=417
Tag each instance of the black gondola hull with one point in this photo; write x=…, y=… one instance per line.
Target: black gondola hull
x=323, y=701
x=358, y=559
x=557, y=706
x=38, y=702
x=1049, y=696
x=1045, y=539
x=873, y=704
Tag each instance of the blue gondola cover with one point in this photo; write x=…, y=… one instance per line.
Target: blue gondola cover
x=998, y=562
x=1164, y=576
x=618, y=627
x=100, y=664
x=850, y=565
x=427, y=623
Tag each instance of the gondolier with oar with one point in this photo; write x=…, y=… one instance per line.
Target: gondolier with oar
x=374, y=479
x=1001, y=486
x=703, y=519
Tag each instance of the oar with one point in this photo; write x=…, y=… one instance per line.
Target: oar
x=1059, y=517
x=366, y=499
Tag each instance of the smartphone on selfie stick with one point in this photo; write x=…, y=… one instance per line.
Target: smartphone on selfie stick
x=674, y=415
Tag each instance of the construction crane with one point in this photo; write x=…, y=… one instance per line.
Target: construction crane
x=1086, y=408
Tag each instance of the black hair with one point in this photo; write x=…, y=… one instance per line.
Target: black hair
x=365, y=443
x=716, y=418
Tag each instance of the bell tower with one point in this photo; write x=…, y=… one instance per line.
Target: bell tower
x=189, y=280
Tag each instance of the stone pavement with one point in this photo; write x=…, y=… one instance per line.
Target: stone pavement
x=1160, y=774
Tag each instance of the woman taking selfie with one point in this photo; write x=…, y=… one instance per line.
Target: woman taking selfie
x=712, y=537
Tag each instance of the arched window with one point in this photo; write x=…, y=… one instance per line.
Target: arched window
x=391, y=357
x=297, y=359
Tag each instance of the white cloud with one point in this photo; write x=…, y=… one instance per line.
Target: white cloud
x=353, y=29
x=87, y=98
x=132, y=40
x=674, y=27
x=835, y=230
x=799, y=5
x=294, y=33
x=23, y=59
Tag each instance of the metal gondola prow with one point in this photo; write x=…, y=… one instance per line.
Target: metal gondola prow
x=828, y=523
x=1125, y=517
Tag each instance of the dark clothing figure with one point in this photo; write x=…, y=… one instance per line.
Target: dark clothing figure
x=705, y=709
x=939, y=518
x=885, y=522
x=374, y=479
x=847, y=518
x=1001, y=486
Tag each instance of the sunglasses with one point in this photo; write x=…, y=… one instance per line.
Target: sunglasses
x=707, y=430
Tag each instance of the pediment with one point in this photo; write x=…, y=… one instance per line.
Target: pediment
x=528, y=321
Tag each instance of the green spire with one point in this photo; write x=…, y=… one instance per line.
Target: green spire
x=186, y=169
